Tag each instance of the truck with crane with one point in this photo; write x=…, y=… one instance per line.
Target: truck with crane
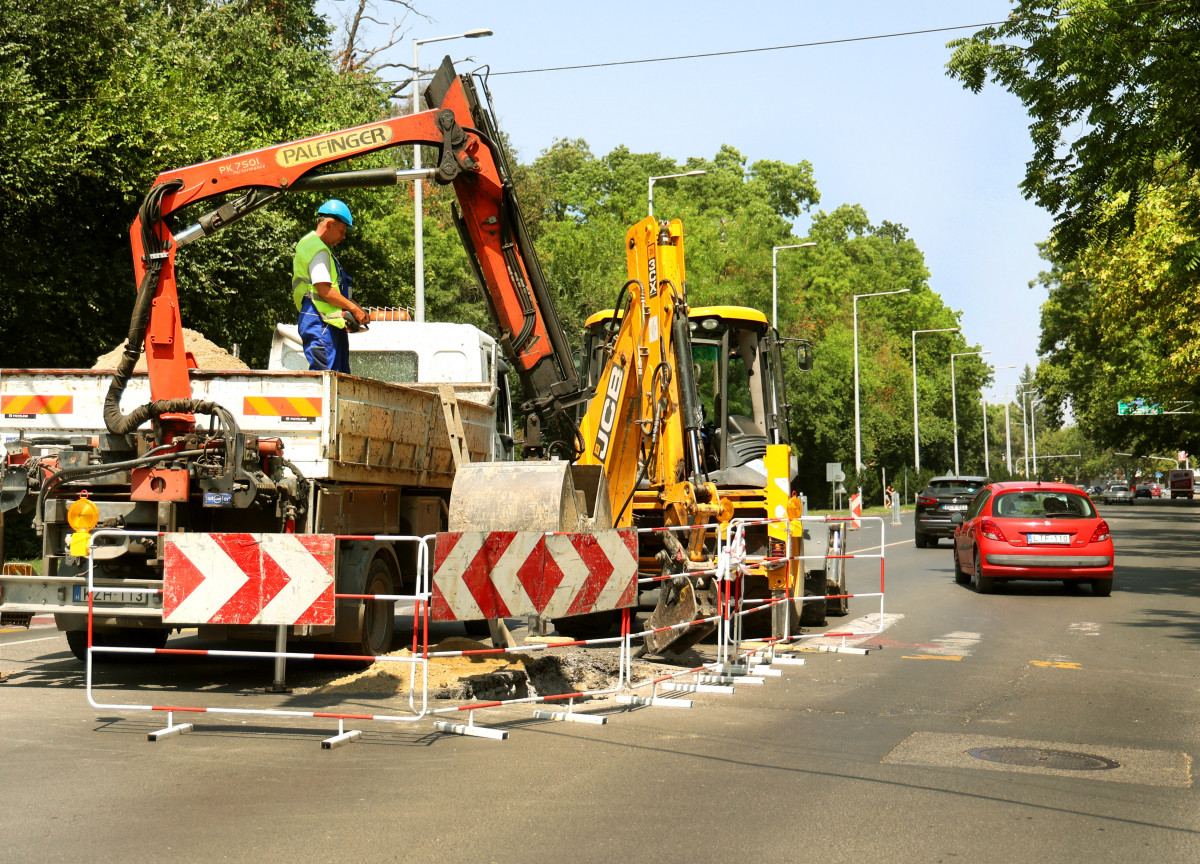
x=380, y=463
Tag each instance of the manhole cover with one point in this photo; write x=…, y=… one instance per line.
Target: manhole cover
x=1039, y=757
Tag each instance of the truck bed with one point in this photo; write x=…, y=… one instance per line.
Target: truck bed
x=334, y=426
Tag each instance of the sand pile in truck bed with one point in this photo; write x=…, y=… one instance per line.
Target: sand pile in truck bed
x=491, y=676
x=209, y=356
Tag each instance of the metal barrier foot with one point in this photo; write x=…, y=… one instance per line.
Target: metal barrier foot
x=654, y=702
x=674, y=687
x=343, y=737
x=727, y=679
x=469, y=728
x=569, y=716
x=788, y=661
x=170, y=730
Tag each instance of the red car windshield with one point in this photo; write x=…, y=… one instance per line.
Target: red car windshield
x=1042, y=504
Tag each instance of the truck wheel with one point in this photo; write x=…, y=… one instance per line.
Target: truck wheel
x=983, y=584
x=379, y=616
x=124, y=637
x=921, y=540
x=840, y=606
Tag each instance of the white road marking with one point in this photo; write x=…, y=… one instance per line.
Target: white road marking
x=957, y=643
x=1085, y=628
x=859, y=630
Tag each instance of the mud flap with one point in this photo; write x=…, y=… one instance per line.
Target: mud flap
x=679, y=604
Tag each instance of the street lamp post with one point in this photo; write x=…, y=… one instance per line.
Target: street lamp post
x=775, y=278
x=650, y=185
x=916, y=425
x=857, y=420
x=987, y=466
x=418, y=216
x=954, y=401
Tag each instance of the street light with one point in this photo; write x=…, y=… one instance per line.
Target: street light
x=650, y=187
x=775, y=276
x=418, y=217
x=954, y=400
x=857, y=422
x=916, y=426
x=987, y=466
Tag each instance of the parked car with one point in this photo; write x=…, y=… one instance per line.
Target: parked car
x=941, y=499
x=1143, y=490
x=1030, y=530
x=1118, y=493
x=1156, y=490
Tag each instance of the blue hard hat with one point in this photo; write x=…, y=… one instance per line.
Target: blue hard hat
x=338, y=210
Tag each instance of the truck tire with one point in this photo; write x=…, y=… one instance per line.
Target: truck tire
x=840, y=606
x=126, y=637
x=379, y=616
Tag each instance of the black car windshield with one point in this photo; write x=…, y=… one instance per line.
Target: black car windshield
x=955, y=487
x=1043, y=505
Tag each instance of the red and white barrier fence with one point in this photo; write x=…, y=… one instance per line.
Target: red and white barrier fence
x=238, y=579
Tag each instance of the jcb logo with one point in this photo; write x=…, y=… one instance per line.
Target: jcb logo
x=608, y=413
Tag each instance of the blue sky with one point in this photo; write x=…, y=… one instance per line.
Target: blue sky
x=878, y=119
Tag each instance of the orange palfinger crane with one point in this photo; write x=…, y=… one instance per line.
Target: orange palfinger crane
x=491, y=225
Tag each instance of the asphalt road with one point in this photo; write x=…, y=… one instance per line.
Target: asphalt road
x=847, y=758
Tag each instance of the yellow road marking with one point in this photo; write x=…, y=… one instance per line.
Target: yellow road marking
x=1050, y=664
x=930, y=657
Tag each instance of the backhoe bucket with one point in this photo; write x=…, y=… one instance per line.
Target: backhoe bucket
x=678, y=605
x=529, y=496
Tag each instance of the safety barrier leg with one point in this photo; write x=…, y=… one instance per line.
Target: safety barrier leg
x=569, y=715
x=343, y=737
x=470, y=729
x=172, y=728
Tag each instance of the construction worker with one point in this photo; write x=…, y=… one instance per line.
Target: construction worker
x=321, y=291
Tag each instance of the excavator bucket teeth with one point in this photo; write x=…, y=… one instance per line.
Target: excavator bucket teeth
x=678, y=606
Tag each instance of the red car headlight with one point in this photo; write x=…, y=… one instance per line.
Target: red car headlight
x=991, y=530
x=1101, y=533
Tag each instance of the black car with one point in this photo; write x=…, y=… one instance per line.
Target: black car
x=936, y=506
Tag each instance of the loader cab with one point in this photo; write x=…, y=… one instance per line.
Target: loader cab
x=739, y=376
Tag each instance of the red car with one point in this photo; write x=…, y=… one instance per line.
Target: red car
x=1030, y=530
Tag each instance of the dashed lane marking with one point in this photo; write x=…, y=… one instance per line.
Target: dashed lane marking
x=1085, y=628
x=930, y=657
x=1055, y=664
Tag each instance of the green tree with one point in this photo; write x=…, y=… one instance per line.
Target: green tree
x=99, y=97
x=1110, y=85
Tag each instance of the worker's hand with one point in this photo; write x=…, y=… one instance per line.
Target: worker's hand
x=360, y=316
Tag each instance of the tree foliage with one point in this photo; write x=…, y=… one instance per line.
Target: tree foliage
x=1111, y=88
x=100, y=97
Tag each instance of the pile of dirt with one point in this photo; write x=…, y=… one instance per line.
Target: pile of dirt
x=490, y=676
x=209, y=356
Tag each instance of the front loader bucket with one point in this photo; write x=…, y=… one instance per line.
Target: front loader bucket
x=529, y=496
x=678, y=605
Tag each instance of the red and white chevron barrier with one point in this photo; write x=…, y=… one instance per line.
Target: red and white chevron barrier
x=280, y=579
x=508, y=574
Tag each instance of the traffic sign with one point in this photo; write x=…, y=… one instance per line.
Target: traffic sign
x=1139, y=407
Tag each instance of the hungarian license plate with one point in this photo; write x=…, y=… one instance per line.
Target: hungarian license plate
x=955, y=507
x=113, y=598
x=1049, y=538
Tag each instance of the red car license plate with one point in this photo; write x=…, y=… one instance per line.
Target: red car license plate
x=1049, y=538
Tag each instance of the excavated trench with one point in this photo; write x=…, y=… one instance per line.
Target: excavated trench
x=489, y=677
